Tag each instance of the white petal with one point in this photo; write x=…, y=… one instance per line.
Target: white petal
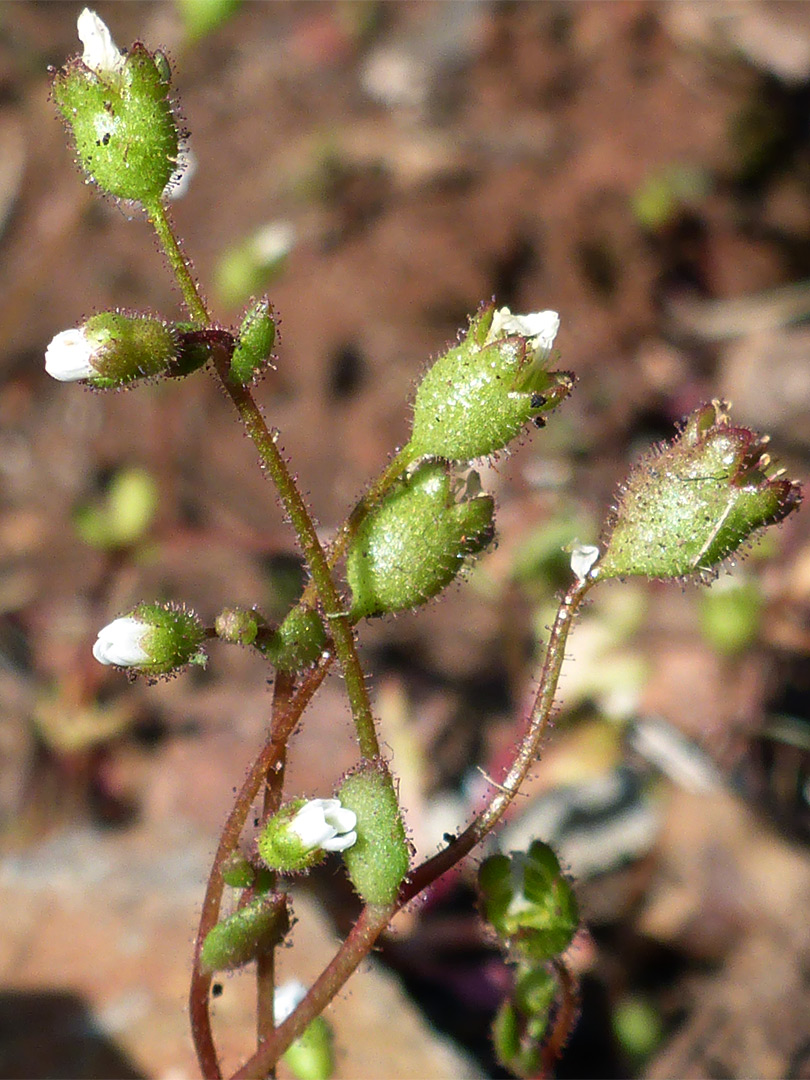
x=541, y=327
x=121, y=643
x=340, y=818
x=286, y=1000
x=310, y=825
x=101, y=54
x=341, y=842
x=583, y=557
x=69, y=356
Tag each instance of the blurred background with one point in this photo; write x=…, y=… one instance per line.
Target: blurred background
x=380, y=169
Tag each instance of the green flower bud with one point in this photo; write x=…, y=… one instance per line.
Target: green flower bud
x=117, y=108
x=237, y=626
x=254, y=348
x=154, y=639
x=528, y=901
x=311, y=1055
x=477, y=397
x=201, y=17
x=249, y=266
x=302, y=832
x=379, y=861
x=124, y=515
x=237, y=871
x=111, y=350
x=691, y=503
x=730, y=613
x=414, y=544
x=252, y=930
x=298, y=642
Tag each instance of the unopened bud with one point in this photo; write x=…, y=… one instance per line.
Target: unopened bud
x=476, y=398
x=254, y=347
x=414, y=544
x=112, y=349
x=116, y=105
x=154, y=639
x=691, y=503
x=250, y=931
x=378, y=862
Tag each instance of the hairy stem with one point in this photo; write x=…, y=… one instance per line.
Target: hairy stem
x=331, y=602
x=284, y=720
x=180, y=265
x=374, y=919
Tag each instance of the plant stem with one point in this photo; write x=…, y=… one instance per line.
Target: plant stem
x=180, y=265
x=374, y=919
x=273, y=788
x=395, y=468
x=342, y=633
x=284, y=721
x=370, y=924
x=527, y=753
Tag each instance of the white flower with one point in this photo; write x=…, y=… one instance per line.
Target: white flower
x=583, y=556
x=540, y=328
x=324, y=823
x=121, y=643
x=69, y=356
x=101, y=54
x=287, y=998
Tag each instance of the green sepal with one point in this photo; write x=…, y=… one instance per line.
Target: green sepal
x=414, y=544
x=311, y=1056
x=174, y=638
x=517, y=1041
x=280, y=848
x=298, y=642
x=254, y=348
x=125, y=134
x=691, y=503
x=252, y=930
x=378, y=862
x=478, y=396
x=528, y=902
x=128, y=347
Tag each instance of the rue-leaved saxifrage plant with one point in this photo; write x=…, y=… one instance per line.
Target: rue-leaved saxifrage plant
x=683, y=509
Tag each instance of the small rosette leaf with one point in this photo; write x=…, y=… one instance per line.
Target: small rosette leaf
x=414, y=544
x=529, y=903
x=477, y=397
x=688, y=505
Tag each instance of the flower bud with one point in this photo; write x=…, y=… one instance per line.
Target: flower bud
x=237, y=626
x=237, y=871
x=298, y=642
x=477, y=397
x=154, y=639
x=301, y=833
x=250, y=931
x=311, y=1055
x=117, y=108
x=689, y=504
x=378, y=862
x=414, y=544
x=254, y=347
x=528, y=901
x=111, y=350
